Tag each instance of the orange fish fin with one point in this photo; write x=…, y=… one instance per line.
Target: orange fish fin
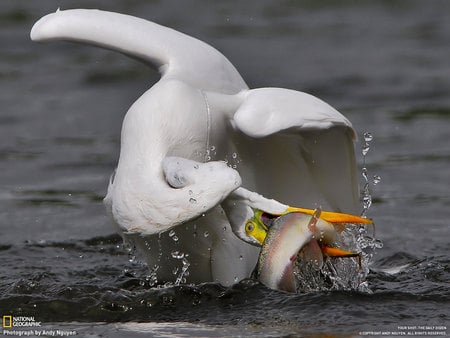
x=336, y=252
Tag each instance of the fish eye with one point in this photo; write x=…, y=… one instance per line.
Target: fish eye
x=249, y=227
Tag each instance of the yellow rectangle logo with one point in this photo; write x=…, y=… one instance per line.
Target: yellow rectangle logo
x=7, y=322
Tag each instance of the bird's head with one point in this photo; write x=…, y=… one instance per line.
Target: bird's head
x=250, y=214
x=257, y=226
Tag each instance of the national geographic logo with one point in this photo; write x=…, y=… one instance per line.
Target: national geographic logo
x=10, y=322
x=7, y=322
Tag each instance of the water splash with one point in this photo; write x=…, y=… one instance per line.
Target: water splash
x=366, y=195
x=346, y=273
x=130, y=248
x=184, y=271
x=152, y=276
x=340, y=273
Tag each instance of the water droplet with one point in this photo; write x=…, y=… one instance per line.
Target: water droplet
x=367, y=202
x=224, y=228
x=235, y=279
x=147, y=245
x=192, y=200
x=322, y=233
x=177, y=255
x=184, y=272
x=365, y=149
x=206, y=234
x=364, y=173
x=234, y=166
x=196, y=166
x=376, y=179
x=190, y=192
x=208, y=158
x=366, y=189
x=378, y=244
x=241, y=257
x=234, y=155
x=171, y=233
x=368, y=137
x=213, y=148
x=175, y=238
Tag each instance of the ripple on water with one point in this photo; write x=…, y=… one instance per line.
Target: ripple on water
x=93, y=281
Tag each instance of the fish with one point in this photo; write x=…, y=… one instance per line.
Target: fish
x=288, y=236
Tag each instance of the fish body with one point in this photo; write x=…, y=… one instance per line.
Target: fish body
x=287, y=236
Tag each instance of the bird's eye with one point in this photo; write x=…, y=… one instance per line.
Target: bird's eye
x=249, y=227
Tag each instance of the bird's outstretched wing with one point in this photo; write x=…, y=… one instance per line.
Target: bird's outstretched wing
x=174, y=54
x=266, y=111
x=305, y=149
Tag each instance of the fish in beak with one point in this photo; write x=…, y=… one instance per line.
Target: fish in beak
x=251, y=215
x=288, y=236
x=256, y=227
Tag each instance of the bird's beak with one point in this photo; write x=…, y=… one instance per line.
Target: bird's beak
x=339, y=220
x=333, y=217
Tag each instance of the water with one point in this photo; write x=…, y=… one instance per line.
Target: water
x=384, y=64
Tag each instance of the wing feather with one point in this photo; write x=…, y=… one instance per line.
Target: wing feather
x=305, y=152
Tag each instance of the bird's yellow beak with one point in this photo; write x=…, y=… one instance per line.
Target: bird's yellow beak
x=332, y=217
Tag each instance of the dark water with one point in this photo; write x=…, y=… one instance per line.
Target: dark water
x=384, y=64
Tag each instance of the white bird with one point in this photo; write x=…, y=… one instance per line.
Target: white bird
x=291, y=146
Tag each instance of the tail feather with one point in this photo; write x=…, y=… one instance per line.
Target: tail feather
x=174, y=54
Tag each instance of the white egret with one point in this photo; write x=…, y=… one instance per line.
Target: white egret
x=292, y=147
